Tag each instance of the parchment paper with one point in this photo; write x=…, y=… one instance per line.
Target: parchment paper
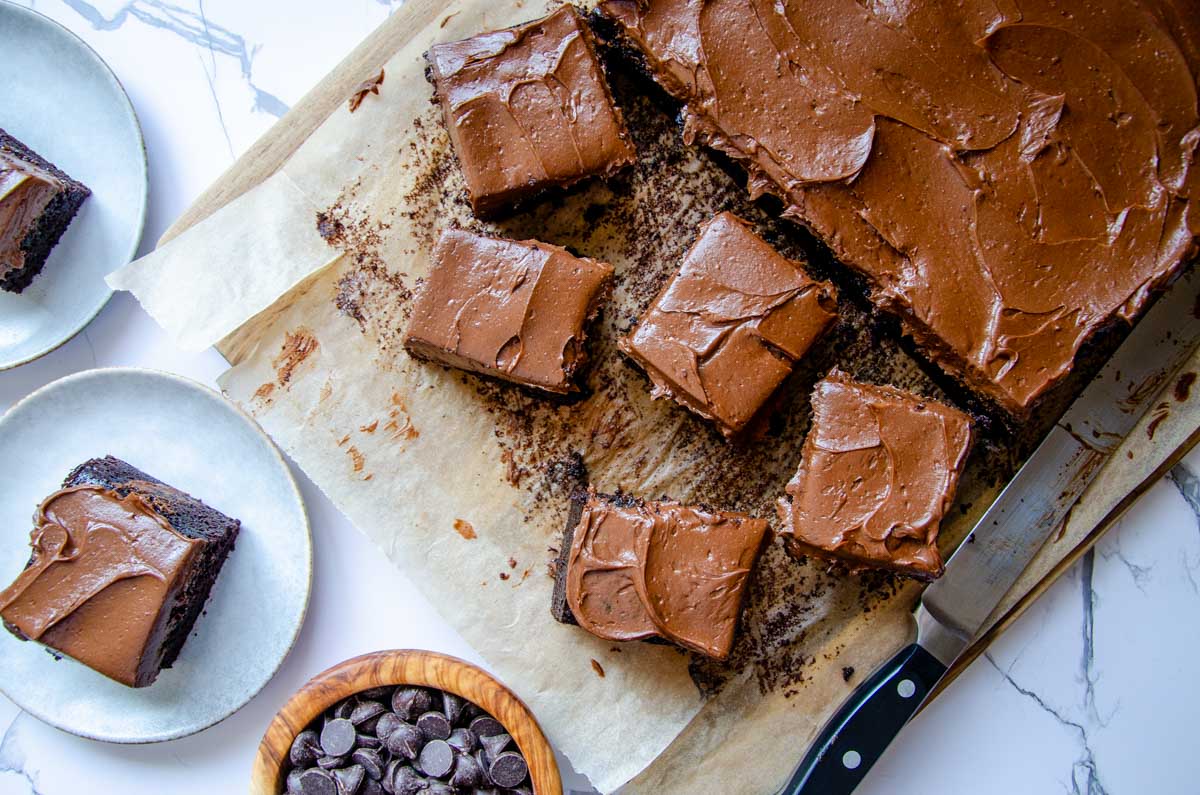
x=304, y=284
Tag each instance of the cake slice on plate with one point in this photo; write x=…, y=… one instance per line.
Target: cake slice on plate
x=37, y=203
x=122, y=565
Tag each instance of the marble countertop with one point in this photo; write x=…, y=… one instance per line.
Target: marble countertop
x=1090, y=693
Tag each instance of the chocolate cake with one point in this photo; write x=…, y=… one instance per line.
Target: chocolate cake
x=37, y=203
x=528, y=109
x=727, y=329
x=514, y=310
x=122, y=565
x=630, y=569
x=1010, y=179
x=878, y=471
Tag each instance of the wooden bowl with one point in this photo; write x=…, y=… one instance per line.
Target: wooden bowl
x=402, y=667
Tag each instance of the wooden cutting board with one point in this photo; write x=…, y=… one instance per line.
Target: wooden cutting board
x=274, y=148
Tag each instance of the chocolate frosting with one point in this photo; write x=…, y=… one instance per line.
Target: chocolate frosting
x=728, y=328
x=515, y=310
x=25, y=192
x=1010, y=176
x=878, y=471
x=527, y=108
x=642, y=569
x=103, y=568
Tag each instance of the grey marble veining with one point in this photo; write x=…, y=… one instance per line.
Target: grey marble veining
x=193, y=27
x=1085, y=773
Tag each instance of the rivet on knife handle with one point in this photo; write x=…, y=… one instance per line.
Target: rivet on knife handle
x=867, y=722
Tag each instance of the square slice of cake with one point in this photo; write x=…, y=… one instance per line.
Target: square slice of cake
x=122, y=565
x=37, y=203
x=878, y=471
x=630, y=569
x=728, y=328
x=528, y=108
x=515, y=310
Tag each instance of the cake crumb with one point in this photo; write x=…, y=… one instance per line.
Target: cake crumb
x=847, y=672
x=464, y=529
x=370, y=428
x=598, y=668
x=504, y=575
x=358, y=458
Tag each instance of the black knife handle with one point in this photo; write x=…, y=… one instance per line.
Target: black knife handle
x=863, y=727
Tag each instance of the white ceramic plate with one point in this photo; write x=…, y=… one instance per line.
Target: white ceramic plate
x=190, y=437
x=59, y=98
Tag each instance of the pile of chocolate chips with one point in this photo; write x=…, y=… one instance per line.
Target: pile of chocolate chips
x=406, y=741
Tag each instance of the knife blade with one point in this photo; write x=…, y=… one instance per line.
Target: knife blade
x=959, y=606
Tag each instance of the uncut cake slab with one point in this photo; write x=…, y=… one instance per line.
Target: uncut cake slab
x=302, y=265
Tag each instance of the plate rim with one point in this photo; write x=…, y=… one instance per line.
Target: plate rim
x=277, y=455
x=143, y=210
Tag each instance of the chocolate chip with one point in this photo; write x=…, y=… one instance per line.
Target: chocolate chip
x=409, y=702
x=440, y=788
x=349, y=779
x=471, y=712
x=371, y=787
x=305, y=748
x=371, y=761
x=481, y=759
x=315, y=781
x=436, y=759
x=376, y=693
x=508, y=769
x=389, y=774
x=331, y=762
x=368, y=740
x=486, y=726
x=365, y=711
x=494, y=746
x=434, y=726
x=343, y=708
x=467, y=772
x=462, y=740
x=293, y=781
x=521, y=790
x=405, y=741
x=337, y=738
x=452, y=705
x=406, y=781
x=386, y=725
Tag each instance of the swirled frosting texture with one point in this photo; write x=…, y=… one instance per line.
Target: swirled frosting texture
x=1010, y=176
x=528, y=108
x=638, y=570
x=102, y=570
x=728, y=328
x=511, y=309
x=878, y=471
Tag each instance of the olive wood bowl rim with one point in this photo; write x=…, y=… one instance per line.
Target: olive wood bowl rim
x=389, y=668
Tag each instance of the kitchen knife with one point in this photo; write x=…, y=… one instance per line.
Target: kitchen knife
x=956, y=608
